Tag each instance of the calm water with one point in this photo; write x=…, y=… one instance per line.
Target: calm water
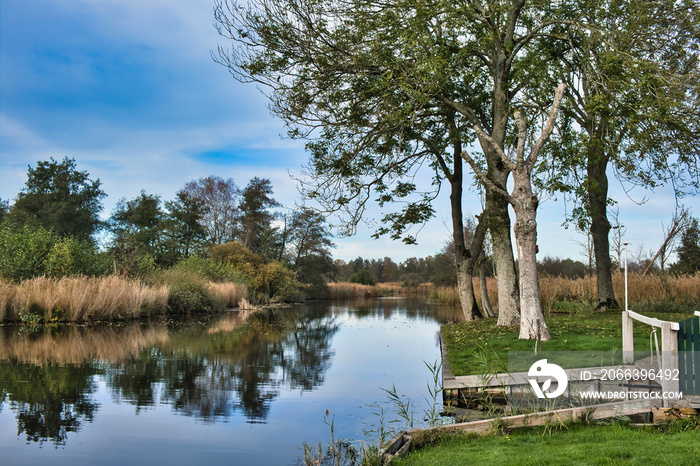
x=237, y=388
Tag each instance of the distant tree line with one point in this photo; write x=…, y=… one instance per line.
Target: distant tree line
x=54, y=224
x=52, y=228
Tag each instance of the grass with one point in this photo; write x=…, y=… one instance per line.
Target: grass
x=80, y=299
x=617, y=443
x=475, y=344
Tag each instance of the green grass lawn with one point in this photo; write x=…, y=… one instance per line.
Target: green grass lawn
x=482, y=347
x=674, y=444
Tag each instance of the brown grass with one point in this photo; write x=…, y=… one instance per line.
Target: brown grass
x=77, y=299
x=682, y=290
x=345, y=290
x=231, y=293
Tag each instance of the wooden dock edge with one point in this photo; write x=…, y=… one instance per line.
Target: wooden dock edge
x=400, y=444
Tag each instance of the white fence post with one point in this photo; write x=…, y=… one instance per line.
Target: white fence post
x=669, y=358
x=627, y=338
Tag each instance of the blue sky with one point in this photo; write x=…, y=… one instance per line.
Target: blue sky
x=128, y=89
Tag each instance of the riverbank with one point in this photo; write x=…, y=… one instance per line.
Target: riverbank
x=615, y=442
x=43, y=300
x=481, y=346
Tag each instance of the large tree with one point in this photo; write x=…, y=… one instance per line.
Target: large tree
x=256, y=230
x=61, y=199
x=219, y=199
x=139, y=240
x=384, y=88
x=524, y=201
x=184, y=223
x=632, y=77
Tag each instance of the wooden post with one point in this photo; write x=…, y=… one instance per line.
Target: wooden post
x=669, y=360
x=627, y=338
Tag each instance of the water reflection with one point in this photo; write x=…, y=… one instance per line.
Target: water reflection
x=235, y=370
x=55, y=381
x=208, y=370
x=50, y=400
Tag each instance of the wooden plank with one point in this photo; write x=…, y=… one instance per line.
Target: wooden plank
x=519, y=378
x=652, y=320
x=400, y=444
x=602, y=411
x=627, y=338
x=669, y=358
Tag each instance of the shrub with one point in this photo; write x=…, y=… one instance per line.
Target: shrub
x=188, y=291
x=28, y=251
x=411, y=280
x=363, y=277
x=266, y=282
x=186, y=297
x=214, y=270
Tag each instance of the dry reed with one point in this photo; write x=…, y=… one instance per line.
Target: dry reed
x=353, y=290
x=230, y=293
x=684, y=289
x=76, y=299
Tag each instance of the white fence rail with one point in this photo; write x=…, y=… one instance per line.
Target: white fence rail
x=669, y=345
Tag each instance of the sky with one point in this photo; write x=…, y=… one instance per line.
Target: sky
x=129, y=90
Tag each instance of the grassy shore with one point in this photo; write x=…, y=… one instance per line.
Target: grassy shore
x=482, y=347
x=616, y=443
x=80, y=299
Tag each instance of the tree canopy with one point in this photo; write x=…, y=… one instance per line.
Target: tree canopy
x=61, y=199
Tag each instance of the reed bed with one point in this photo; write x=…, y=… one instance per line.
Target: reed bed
x=77, y=299
x=353, y=290
x=449, y=295
x=678, y=290
x=683, y=290
x=230, y=293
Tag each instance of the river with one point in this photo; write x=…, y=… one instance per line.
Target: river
x=233, y=388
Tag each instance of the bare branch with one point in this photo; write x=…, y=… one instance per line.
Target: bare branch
x=549, y=127
x=484, y=179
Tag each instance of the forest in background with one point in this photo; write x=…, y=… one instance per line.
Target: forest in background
x=211, y=247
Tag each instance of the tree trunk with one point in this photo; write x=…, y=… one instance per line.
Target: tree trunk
x=464, y=258
x=498, y=216
x=600, y=227
x=506, y=281
x=485, y=301
x=465, y=286
x=532, y=324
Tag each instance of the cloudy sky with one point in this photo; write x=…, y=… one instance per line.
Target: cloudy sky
x=129, y=90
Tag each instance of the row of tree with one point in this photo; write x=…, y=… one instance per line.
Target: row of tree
x=145, y=233
x=381, y=90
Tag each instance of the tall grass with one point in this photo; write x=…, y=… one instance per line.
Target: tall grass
x=345, y=290
x=230, y=293
x=353, y=290
x=642, y=290
x=78, y=299
x=645, y=290
x=680, y=290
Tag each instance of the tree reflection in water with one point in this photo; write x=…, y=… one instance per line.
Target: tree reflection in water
x=206, y=370
x=49, y=400
x=241, y=370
